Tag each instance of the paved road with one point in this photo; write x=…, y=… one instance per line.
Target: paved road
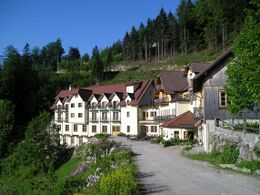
x=165, y=171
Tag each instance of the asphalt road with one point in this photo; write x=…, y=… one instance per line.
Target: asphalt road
x=166, y=171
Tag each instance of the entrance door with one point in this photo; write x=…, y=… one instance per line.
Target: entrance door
x=115, y=130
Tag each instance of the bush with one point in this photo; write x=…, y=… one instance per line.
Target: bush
x=257, y=151
x=230, y=154
x=158, y=139
x=121, y=181
x=171, y=142
x=252, y=165
x=101, y=136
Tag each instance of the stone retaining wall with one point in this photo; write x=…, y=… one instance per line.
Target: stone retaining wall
x=246, y=142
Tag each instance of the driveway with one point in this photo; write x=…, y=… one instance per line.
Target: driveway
x=166, y=171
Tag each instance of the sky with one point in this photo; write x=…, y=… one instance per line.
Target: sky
x=78, y=23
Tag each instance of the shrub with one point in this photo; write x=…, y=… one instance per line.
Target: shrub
x=101, y=136
x=158, y=139
x=121, y=181
x=252, y=165
x=257, y=151
x=230, y=154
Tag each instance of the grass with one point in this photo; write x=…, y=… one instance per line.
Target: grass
x=152, y=69
x=252, y=165
x=67, y=168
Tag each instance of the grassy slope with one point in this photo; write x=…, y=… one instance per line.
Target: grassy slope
x=152, y=69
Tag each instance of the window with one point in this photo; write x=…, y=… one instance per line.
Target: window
x=59, y=117
x=72, y=105
x=66, y=107
x=104, y=116
x=128, y=102
x=128, y=129
x=72, y=115
x=80, y=140
x=115, y=116
x=94, y=129
x=128, y=114
x=67, y=128
x=145, y=115
x=115, y=129
x=103, y=104
x=153, y=114
x=72, y=141
x=64, y=139
x=79, y=115
x=94, y=116
x=84, y=128
x=79, y=105
x=154, y=129
x=223, y=100
x=93, y=104
x=75, y=128
x=176, y=134
x=104, y=129
x=114, y=104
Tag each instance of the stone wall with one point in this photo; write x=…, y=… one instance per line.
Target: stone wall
x=246, y=142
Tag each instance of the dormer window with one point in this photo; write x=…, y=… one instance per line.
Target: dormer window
x=103, y=104
x=114, y=104
x=93, y=104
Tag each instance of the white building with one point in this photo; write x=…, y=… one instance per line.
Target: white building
x=81, y=113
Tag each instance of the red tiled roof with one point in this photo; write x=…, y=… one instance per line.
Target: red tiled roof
x=185, y=120
x=84, y=93
x=173, y=81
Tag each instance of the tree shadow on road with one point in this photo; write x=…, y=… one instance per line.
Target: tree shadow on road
x=150, y=188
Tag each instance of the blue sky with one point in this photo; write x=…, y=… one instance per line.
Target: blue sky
x=78, y=23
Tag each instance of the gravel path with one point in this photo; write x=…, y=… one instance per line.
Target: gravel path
x=165, y=171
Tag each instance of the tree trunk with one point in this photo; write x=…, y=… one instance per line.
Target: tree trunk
x=158, y=51
x=223, y=37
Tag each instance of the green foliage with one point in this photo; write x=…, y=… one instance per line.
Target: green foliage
x=41, y=147
x=230, y=154
x=121, y=181
x=171, y=142
x=257, y=151
x=158, y=139
x=252, y=165
x=6, y=124
x=101, y=136
x=243, y=70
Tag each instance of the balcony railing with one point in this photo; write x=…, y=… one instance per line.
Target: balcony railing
x=197, y=112
x=166, y=117
x=161, y=100
x=116, y=119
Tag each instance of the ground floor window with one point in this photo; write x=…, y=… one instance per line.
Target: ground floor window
x=154, y=129
x=94, y=129
x=72, y=141
x=104, y=129
x=176, y=134
x=64, y=139
x=80, y=140
x=84, y=128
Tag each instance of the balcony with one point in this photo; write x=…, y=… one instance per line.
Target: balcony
x=161, y=100
x=94, y=119
x=198, y=112
x=166, y=117
x=116, y=119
